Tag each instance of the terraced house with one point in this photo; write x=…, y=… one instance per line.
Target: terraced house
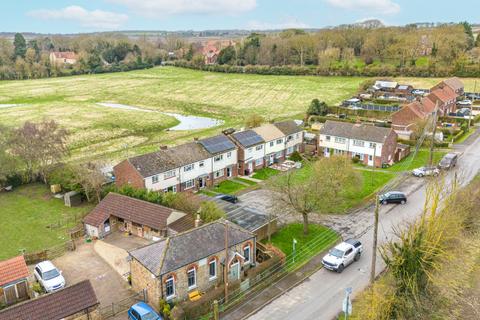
x=372, y=145
x=189, y=166
x=192, y=262
x=293, y=136
x=251, y=151
x=274, y=143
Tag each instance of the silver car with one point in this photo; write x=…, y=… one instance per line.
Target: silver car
x=426, y=171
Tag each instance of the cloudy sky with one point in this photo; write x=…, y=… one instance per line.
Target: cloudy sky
x=71, y=16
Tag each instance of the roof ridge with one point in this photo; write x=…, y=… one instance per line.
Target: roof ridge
x=136, y=199
x=160, y=267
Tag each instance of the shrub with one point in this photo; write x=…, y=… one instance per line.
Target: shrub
x=295, y=156
x=37, y=287
x=209, y=211
x=356, y=159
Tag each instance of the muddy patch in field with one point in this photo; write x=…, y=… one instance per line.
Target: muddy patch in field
x=187, y=122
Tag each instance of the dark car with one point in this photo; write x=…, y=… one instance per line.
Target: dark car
x=228, y=198
x=393, y=197
x=448, y=161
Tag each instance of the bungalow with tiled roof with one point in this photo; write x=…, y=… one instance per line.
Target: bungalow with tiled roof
x=76, y=302
x=372, y=145
x=13, y=280
x=192, y=261
x=138, y=217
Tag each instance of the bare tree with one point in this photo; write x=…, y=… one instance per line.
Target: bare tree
x=318, y=191
x=92, y=179
x=7, y=162
x=39, y=145
x=254, y=120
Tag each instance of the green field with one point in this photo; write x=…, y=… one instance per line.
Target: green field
x=113, y=134
x=30, y=219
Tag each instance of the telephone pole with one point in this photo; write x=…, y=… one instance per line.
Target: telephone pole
x=434, y=131
x=375, y=239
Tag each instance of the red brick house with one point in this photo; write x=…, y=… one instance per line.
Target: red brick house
x=453, y=83
x=445, y=98
x=13, y=280
x=405, y=119
x=210, y=52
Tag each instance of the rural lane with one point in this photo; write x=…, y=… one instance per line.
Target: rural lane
x=320, y=296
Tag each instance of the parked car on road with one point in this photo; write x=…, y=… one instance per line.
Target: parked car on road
x=465, y=102
x=142, y=311
x=393, y=197
x=228, y=198
x=426, y=171
x=342, y=255
x=448, y=161
x=418, y=91
x=49, y=277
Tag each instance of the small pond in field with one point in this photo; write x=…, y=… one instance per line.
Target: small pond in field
x=9, y=105
x=187, y=122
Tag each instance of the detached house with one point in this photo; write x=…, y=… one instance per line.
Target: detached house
x=372, y=145
x=405, y=120
x=63, y=58
x=117, y=212
x=192, y=262
x=189, y=166
x=251, y=151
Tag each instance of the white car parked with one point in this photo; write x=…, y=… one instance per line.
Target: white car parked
x=342, y=255
x=49, y=276
x=426, y=171
x=465, y=102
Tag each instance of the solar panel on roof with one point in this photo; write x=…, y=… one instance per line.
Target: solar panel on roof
x=248, y=138
x=217, y=144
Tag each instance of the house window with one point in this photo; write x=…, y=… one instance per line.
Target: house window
x=327, y=138
x=218, y=174
x=290, y=150
x=189, y=184
x=259, y=147
x=201, y=164
x=218, y=158
x=289, y=138
x=358, y=143
x=250, y=150
x=372, y=145
x=212, y=269
x=246, y=253
x=259, y=162
x=279, y=141
x=271, y=143
x=370, y=158
x=155, y=178
x=229, y=154
x=190, y=167
x=169, y=174
x=170, y=287
x=192, y=278
x=340, y=140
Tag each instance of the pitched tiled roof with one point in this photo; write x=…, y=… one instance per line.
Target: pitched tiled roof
x=247, y=138
x=288, y=127
x=454, y=83
x=428, y=104
x=12, y=270
x=269, y=132
x=65, y=55
x=180, y=250
x=445, y=94
x=183, y=224
x=131, y=209
x=54, y=306
x=355, y=131
x=217, y=144
x=163, y=160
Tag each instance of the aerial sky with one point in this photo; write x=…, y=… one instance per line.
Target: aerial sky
x=76, y=16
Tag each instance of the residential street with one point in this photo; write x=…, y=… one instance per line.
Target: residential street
x=320, y=296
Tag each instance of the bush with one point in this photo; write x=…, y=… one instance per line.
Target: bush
x=209, y=211
x=295, y=156
x=37, y=287
x=356, y=159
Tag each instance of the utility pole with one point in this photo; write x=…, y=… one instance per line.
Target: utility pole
x=434, y=131
x=225, y=268
x=375, y=239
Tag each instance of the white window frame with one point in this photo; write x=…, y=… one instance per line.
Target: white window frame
x=373, y=145
x=155, y=179
x=189, y=167
x=169, y=174
x=279, y=141
x=247, y=258
x=218, y=158
x=358, y=143
x=327, y=138
x=297, y=135
x=250, y=150
x=340, y=140
x=219, y=173
x=210, y=277
x=172, y=279
x=272, y=143
x=191, y=182
x=259, y=147
x=194, y=278
x=229, y=154
x=258, y=161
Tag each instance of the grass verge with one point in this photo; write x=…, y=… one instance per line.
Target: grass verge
x=228, y=187
x=265, y=173
x=421, y=159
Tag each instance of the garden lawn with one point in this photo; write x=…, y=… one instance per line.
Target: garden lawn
x=319, y=238
x=228, y=187
x=245, y=181
x=27, y=212
x=421, y=159
x=265, y=173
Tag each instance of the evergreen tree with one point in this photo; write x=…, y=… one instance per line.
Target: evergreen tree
x=20, y=45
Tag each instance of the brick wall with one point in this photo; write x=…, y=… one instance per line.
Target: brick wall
x=125, y=173
x=144, y=279
x=389, y=147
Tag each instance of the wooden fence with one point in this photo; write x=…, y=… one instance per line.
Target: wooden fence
x=50, y=253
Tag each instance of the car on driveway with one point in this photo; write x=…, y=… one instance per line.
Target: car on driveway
x=342, y=255
x=465, y=102
x=227, y=197
x=49, y=277
x=426, y=171
x=448, y=161
x=393, y=197
x=142, y=311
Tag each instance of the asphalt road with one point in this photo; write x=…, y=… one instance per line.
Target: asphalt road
x=320, y=296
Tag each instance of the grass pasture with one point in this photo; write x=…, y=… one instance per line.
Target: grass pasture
x=28, y=214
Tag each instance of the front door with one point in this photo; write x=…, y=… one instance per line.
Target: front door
x=106, y=226
x=271, y=159
x=234, y=273
x=250, y=167
x=370, y=160
x=201, y=183
x=229, y=172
